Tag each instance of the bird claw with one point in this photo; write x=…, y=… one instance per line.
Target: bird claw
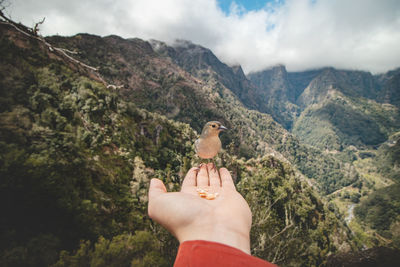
x=198, y=168
x=213, y=167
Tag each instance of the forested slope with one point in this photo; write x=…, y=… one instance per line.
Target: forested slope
x=75, y=162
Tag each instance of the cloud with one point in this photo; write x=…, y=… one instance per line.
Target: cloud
x=301, y=34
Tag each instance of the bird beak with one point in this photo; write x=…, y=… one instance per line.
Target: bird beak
x=222, y=128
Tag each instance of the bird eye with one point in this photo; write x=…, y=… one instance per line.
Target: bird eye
x=213, y=125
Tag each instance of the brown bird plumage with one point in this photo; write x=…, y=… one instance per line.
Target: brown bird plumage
x=209, y=144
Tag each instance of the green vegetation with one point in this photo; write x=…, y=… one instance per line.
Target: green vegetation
x=291, y=223
x=141, y=249
x=381, y=212
x=377, y=216
x=370, y=195
x=340, y=121
x=76, y=159
x=388, y=157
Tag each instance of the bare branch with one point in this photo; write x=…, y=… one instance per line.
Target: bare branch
x=36, y=28
x=282, y=231
x=69, y=51
x=33, y=33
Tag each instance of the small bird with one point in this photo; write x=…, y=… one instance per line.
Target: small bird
x=209, y=144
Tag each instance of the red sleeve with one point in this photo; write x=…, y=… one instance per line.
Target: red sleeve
x=199, y=253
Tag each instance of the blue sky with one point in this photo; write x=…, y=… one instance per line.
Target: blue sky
x=300, y=34
x=248, y=5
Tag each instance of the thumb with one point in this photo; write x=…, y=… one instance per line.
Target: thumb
x=157, y=188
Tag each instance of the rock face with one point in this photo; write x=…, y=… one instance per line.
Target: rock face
x=274, y=83
x=300, y=80
x=276, y=94
x=203, y=64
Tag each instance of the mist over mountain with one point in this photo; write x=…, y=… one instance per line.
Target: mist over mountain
x=86, y=121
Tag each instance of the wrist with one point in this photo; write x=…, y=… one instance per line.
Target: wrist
x=230, y=237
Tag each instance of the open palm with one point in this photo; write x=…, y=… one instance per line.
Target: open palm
x=225, y=219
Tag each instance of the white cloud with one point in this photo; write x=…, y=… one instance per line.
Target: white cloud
x=301, y=34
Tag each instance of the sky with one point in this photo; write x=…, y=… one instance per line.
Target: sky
x=257, y=34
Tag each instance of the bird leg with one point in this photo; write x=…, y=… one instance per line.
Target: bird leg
x=198, y=168
x=214, y=166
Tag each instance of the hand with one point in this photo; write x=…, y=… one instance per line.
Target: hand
x=225, y=219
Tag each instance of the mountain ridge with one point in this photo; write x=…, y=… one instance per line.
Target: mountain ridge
x=166, y=88
x=318, y=86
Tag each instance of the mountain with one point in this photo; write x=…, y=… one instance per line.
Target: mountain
x=81, y=135
x=339, y=121
x=203, y=64
x=335, y=108
x=276, y=94
x=350, y=83
x=159, y=85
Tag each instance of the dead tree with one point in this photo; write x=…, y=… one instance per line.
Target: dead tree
x=36, y=28
x=34, y=33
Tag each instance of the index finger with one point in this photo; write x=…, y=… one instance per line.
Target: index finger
x=226, y=179
x=190, y=179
